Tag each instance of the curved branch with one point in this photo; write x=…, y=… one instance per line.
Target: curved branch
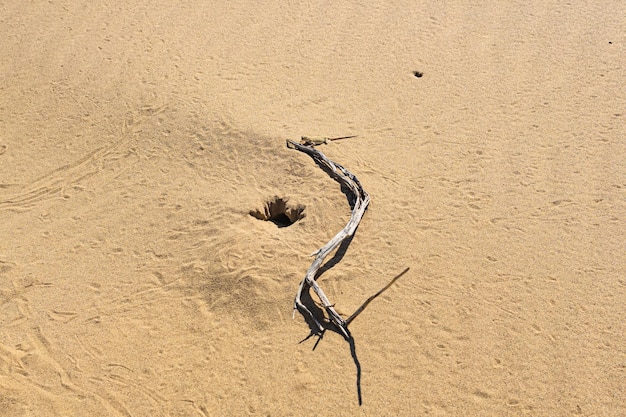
x=360, y=203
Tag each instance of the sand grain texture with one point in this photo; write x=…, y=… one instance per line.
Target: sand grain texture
x=136, y=137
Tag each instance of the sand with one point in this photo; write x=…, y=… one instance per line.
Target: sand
x=137, y=136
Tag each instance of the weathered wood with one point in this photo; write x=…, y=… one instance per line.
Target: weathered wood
x=320, y=140
x=359, y=204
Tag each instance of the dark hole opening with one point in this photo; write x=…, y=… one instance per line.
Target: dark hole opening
x=281, y=220
x=279, y=212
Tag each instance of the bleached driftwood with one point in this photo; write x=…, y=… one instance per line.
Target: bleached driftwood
x=359, y=204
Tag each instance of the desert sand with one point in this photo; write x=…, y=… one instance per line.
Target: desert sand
x=137, y=136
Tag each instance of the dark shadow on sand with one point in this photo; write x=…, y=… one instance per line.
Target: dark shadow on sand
x=328, y=325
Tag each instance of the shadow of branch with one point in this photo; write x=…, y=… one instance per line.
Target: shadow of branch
x=329, y=325
x=369, y=300
x=337, y=257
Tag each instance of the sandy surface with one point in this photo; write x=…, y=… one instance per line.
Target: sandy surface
x=136, y=137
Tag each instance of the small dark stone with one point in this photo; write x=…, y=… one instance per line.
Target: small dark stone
x=418, y=74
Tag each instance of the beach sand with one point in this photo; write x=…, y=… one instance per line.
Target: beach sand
x=137, y=136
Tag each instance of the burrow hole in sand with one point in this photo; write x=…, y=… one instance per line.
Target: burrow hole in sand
x=280, y=212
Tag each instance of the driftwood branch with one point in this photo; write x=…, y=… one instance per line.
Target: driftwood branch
x=360, y=200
